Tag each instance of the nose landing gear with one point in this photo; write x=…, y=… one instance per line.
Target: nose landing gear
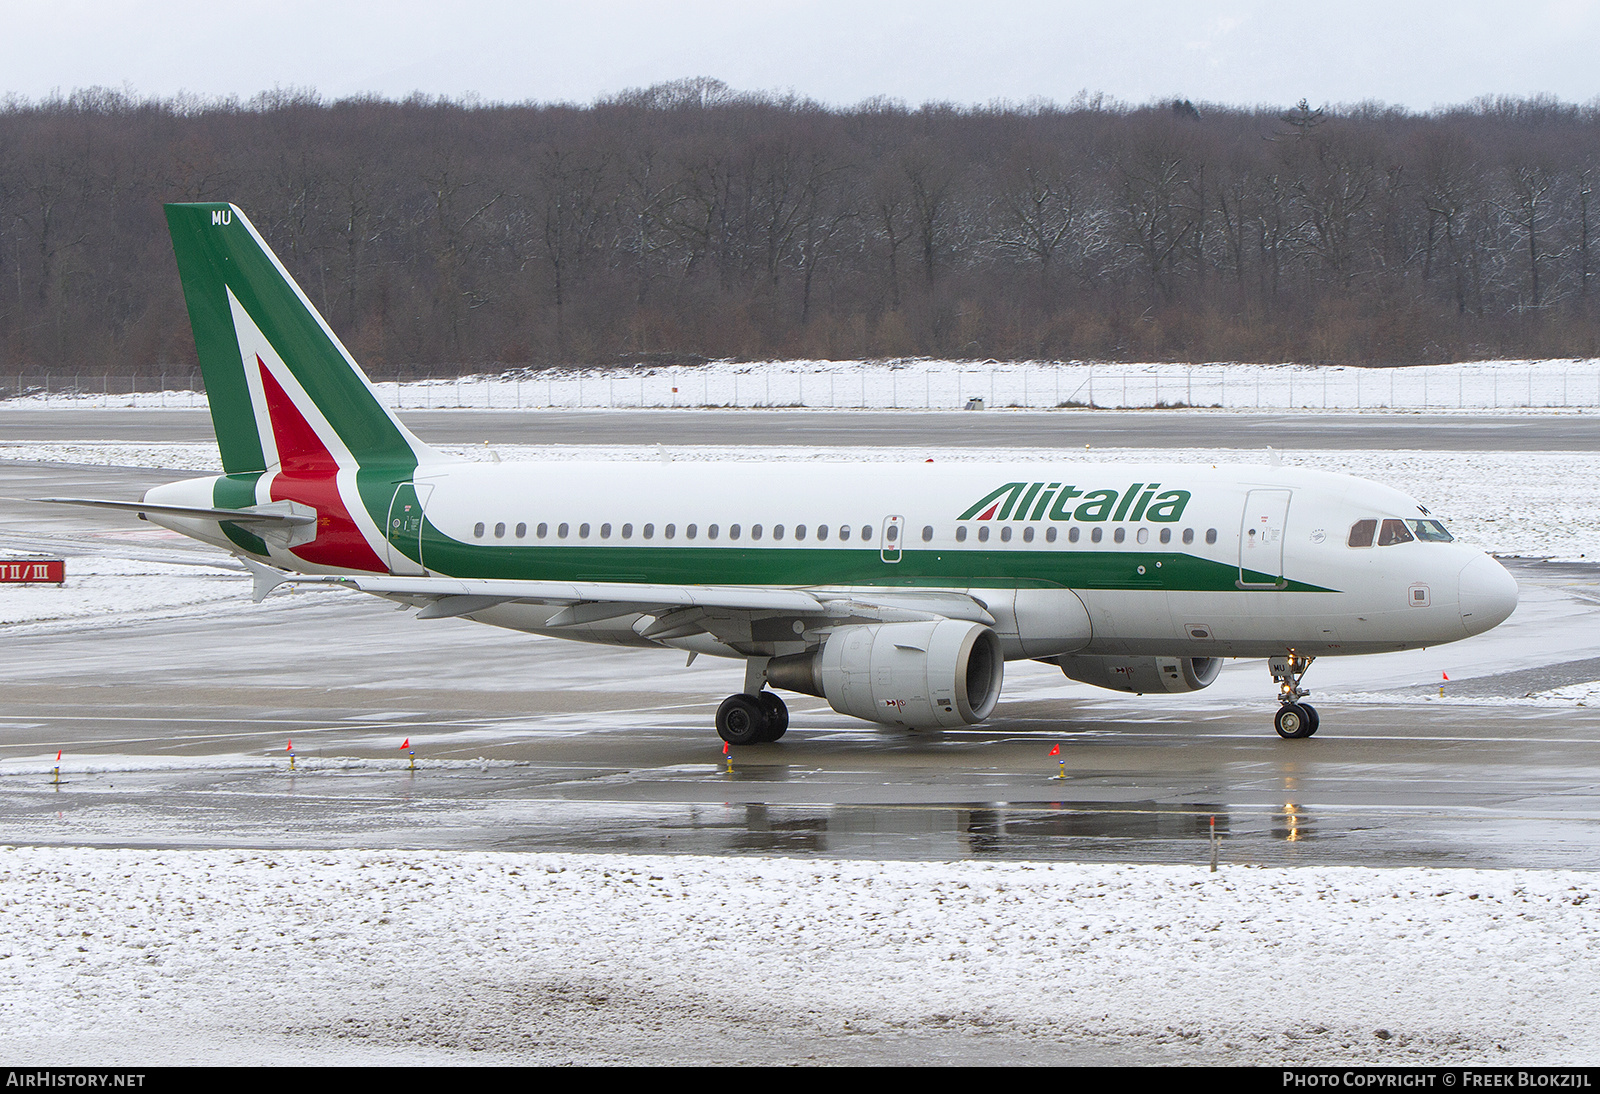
x=1294, y=720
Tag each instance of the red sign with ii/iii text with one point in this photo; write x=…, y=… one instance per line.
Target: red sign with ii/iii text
x=16, y=571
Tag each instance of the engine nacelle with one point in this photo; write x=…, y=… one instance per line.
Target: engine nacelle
x=944, y=673
x=1142, y=675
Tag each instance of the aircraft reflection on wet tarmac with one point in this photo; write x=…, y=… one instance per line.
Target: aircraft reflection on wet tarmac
x=1042, y=831
x=1013, y=830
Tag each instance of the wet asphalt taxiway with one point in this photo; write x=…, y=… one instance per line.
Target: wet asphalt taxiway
x=173, y=726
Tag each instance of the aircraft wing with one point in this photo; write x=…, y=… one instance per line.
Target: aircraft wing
x=587, y=601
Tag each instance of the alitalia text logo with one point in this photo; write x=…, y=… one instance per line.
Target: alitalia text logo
x=1057, y=501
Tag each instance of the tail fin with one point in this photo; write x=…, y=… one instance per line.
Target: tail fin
x=284, y=392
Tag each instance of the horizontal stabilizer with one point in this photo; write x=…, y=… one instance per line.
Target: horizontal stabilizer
x=268, y=516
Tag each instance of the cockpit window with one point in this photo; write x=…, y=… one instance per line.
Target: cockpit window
x=1394, y=531
x=1361, y=533
x=1430, y=531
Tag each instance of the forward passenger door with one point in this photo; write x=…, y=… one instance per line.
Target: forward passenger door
x=1266, y=516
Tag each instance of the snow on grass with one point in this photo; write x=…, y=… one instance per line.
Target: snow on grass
x=118, y=588
x=240, y=956
x=922, y=383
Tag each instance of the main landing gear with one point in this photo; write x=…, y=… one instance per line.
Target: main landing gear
x=1294, y=719
x=746, y=719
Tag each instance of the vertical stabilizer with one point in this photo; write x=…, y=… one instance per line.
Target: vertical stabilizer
x=283, y=389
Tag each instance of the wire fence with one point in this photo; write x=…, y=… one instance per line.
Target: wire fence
x=912, y=385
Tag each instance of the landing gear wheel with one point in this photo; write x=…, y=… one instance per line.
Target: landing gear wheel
x=1316, y=719
x=741, y=720
x=777, y=715
x=1295, y=721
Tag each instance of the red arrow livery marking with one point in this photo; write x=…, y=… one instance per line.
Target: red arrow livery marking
x=308, y=474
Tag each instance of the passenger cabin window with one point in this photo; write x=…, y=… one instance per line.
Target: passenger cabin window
x=500, y=530
x=1394, y=531
x=477, y=530
x=1361, y=533
x=1188, y=536
x=1027, y=534
x=542, y=531
x=649, y=531
x=822, y=531
x=522, y=531
x=927, y=533
x=1050, y=534
x=1211, y=535
x=961, y=534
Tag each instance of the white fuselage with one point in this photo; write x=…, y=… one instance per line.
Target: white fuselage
x=1141, y=559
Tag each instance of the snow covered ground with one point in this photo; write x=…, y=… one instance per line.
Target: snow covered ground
x=146, y=957
x=935, y=384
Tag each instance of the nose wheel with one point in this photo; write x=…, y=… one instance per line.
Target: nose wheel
x=1295, y=720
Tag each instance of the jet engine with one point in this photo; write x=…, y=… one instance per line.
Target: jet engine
x=1142, y=675
x=943, y=673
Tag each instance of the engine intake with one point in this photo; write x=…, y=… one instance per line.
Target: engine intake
x=944, y=673
x=1142, y=675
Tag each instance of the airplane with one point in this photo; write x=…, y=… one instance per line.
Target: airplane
x=894, y=592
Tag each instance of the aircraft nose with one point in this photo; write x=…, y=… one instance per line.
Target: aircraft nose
x=1488, y=594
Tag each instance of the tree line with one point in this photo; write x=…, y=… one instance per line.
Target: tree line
x=686, y=221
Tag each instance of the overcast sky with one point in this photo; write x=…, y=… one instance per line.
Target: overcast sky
x=1242, y=52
